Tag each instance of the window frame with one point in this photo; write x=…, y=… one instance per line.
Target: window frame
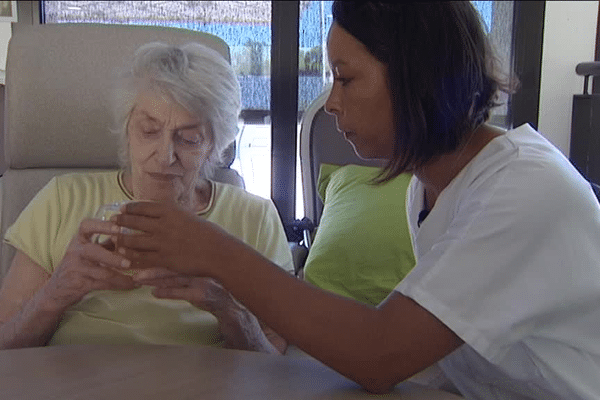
x=284, y=106
x=528, y=36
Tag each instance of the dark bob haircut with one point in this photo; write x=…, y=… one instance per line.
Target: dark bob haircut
x=441, y=73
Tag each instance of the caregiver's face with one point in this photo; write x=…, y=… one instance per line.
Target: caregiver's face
x=360, y=98
x=168, y=147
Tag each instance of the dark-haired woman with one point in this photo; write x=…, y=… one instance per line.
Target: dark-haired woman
x=504, y=296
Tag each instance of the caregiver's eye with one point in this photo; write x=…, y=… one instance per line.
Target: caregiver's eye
x=343, y=81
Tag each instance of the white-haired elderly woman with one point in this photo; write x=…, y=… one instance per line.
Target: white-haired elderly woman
x=176, y=111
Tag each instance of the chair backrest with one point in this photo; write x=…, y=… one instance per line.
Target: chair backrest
x=321, y=142
x=57, y=110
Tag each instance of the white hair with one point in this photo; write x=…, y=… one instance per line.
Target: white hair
x=197, y=78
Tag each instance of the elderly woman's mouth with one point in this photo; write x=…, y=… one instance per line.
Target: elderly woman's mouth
x=163, y=176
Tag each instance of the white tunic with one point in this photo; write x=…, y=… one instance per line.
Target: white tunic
x=509, y=259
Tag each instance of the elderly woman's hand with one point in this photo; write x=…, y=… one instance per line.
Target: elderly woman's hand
x=240, y=328
x=204, y=293
x=87, y=266
x=174, y=250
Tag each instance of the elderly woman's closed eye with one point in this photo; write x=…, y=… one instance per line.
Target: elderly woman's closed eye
x=176, y=110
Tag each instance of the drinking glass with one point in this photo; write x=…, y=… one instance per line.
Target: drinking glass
x=104, y=213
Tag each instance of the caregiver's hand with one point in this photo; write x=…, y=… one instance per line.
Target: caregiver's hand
x=173, y=238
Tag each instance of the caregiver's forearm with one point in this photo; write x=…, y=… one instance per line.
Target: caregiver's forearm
x=350, y=337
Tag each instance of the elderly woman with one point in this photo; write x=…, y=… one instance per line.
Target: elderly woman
x=176, y=111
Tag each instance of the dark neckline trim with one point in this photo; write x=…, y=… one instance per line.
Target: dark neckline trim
x=121, y=184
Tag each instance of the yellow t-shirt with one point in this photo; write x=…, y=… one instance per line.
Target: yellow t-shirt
x=47, y=225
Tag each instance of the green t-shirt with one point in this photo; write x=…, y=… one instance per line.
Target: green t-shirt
x=47, y=225
x=362, y=247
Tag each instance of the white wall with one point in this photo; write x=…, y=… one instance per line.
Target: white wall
x=569, y=38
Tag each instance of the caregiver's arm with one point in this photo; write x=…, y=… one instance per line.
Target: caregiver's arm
x=376, y=347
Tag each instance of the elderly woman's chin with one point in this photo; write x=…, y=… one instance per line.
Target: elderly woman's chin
x=189, y=191
x=174, y=193
x=160, y=190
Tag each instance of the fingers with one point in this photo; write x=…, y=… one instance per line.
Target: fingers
x=155, y=273
x=143, y=208
x=100, y=255
x=160, y=277
x=218, y=303
x=136, y=222
x=137, y=241
x=75, y=279
x=115, y=280
x=164, y=229
x=142, y=259
x=109, y=244
x=90, y=227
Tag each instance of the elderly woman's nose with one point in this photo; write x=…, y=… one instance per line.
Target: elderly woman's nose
x=166, y=150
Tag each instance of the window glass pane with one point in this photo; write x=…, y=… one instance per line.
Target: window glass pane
x=498, y=19
x=244, y=25
x=313, y=67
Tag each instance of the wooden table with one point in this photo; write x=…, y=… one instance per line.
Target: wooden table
x=177, y=372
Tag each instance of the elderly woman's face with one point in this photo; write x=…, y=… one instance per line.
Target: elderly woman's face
x=168, y=147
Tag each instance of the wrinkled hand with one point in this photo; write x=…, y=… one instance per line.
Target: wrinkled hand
x=172, y=238
x=240, y=328
x=204, y=293
x=87, y=266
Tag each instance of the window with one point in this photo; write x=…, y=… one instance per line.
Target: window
x=313, y=67
x=498, y=19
